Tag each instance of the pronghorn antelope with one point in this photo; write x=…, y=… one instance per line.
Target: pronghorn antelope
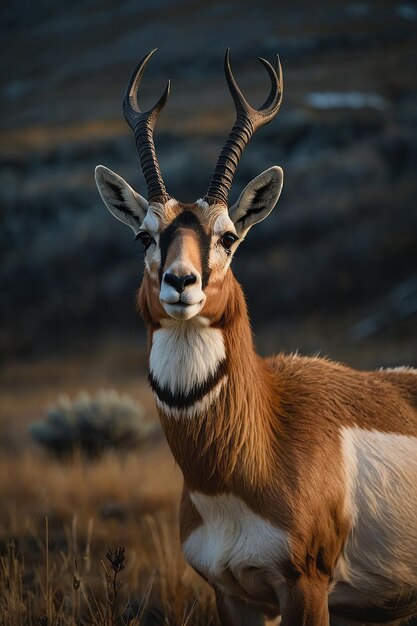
x=300, y=474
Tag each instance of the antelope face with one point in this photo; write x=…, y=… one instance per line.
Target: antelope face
x=177, y=259
x=188, y=248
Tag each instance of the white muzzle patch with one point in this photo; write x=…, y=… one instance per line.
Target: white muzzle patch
x=184, y=304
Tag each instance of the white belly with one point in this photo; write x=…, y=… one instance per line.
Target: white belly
x=233, y=538
x=380, y=557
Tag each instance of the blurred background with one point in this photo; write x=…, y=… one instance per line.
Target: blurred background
x=336, y=262
x=334, y=268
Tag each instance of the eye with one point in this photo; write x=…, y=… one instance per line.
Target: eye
x=145, y=239
x=227, y=240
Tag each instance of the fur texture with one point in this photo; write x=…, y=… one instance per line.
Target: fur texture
x=300, y=473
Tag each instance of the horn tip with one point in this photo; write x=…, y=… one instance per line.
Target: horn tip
x=227, y=68
x=265, y=63
x=147, y=56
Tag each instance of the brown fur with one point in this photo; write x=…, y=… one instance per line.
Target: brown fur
x=252, y=415
x=272, y=439
x=185, y=240
x=268, y=439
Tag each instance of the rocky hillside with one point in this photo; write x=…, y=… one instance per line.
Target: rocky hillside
x=344, y=235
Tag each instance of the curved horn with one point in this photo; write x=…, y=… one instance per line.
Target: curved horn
x=142, y=124
x=248, y=120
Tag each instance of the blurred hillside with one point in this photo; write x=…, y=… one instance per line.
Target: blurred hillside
x=340, y=250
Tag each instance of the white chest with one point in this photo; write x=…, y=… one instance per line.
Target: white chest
x=232, y=537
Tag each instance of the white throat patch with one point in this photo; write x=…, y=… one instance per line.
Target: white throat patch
x=185, y=355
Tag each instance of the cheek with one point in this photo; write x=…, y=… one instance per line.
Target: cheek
x=156, y=309
x=219, y=261
x=153, y=259
x=215, y=296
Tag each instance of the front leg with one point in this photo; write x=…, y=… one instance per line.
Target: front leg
x=235, y=612
x=304, y=602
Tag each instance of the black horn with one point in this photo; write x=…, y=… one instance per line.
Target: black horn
x=142, y=124
x=248, y=120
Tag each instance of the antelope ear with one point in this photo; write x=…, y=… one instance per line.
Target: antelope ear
x=257, y=200
x=122, y=201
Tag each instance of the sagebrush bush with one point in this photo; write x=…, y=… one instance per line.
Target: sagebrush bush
x=92, y=424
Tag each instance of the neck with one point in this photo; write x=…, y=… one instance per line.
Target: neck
x=215, y=397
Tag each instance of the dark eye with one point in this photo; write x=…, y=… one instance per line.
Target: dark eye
x=145, y=239
x=228, y=240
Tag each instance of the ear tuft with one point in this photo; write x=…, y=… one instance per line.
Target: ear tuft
x=122, y=201
x=257, y=200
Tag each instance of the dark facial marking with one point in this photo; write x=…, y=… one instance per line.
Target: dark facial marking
x=186, y=219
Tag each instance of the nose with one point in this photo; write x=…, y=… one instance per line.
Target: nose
x=180, y=282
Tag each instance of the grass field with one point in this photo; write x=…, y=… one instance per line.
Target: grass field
x=58, y=524
x=58, y=520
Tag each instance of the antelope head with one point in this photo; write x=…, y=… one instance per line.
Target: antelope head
x=189, y=247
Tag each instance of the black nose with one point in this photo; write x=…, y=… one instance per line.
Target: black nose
x=180, y=282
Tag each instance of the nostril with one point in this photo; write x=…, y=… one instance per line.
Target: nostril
x=174, y=281
x=189, y=280
x=180, y=282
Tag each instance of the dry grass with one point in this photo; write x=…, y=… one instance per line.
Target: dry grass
x=58, y=520
x=57, y=523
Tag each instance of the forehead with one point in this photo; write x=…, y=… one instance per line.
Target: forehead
x=199, y=217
